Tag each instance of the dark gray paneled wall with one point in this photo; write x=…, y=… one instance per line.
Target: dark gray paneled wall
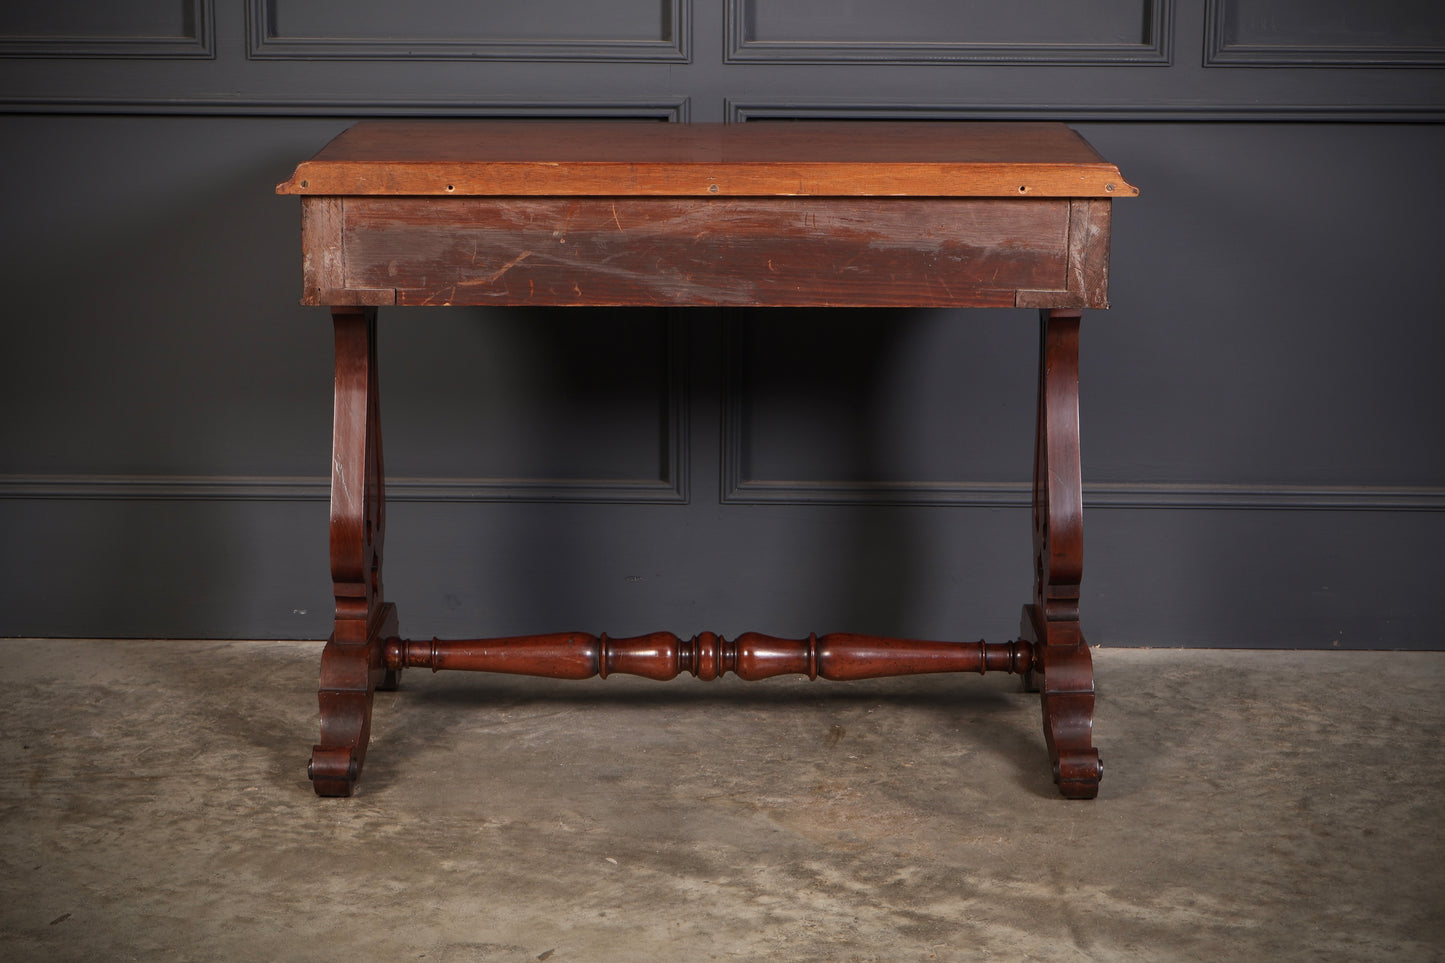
x=1263, y=449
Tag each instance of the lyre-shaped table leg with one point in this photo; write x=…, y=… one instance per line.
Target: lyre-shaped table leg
x=353, y=662
x=1063, y=669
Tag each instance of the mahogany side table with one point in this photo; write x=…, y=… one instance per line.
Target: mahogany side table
x=814, y=213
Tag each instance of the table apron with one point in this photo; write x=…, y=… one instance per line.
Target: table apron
x=772, y=251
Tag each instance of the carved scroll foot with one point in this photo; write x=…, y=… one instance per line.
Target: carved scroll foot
x=353, y=663
x=350, y=674
x=1063, y=673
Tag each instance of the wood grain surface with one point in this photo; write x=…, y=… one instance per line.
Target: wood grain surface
x=631, y=158
x=815, y=214
x=666, y=251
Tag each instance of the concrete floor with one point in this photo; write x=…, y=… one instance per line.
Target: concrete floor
x=1256, y=806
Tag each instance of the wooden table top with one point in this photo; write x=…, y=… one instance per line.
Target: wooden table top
x=769, y=159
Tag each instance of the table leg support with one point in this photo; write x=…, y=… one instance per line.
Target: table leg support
x=353, y=663
x=1063, y=669
x=365, y=653
x=751, y=656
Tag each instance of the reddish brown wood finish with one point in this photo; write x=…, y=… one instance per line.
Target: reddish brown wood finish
x=751, y=656
x=938, y=252
x=513, y=213
x=352, y=664
x=510, y=158
x=657, y=251
x=1063, y=669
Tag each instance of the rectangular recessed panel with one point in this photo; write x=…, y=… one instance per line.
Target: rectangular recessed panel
x=732, y=251
x=948, y=21
x=468, y=20
x=880, y=405
x=88, y=20
x=1323, y=32
x=68, y=29
x=466, y=29
x=529, y=398
x=1047, y=31
x=1379, y=23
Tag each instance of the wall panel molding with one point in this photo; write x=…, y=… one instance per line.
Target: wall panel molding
x=179, y=488
x=738, y=489
x=741, y=111
x=268, y=41
x=670, y=487
x=1131, y=495
x=744, y=46
x=266, y=488
x=195, y=41
x=677, y=111
x=1225, y=48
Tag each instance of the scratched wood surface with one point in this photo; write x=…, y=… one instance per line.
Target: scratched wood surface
x=621, y=158
x=635, y=214
x=679, y=251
